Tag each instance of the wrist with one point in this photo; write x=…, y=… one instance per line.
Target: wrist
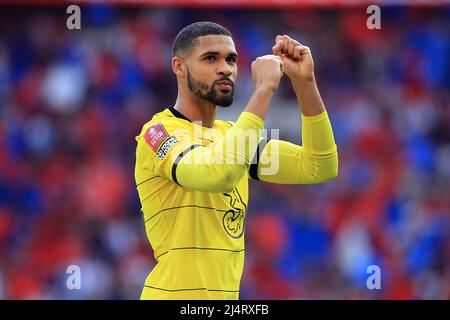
x=304, y=84
x=260, y=101
x=265, y=88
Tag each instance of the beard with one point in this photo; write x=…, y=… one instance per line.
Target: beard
x=211, y=93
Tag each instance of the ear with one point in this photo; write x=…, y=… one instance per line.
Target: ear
x=178, y=67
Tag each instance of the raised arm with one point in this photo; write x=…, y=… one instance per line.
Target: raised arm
x=317, y=159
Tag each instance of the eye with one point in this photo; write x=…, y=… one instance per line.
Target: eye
x=231, y=59
x=210, y=58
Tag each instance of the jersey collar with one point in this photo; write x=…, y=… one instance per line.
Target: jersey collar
x=178, y=114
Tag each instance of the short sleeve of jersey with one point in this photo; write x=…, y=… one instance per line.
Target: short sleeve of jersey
x=161, y=143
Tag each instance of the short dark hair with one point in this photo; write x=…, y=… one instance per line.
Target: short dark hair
x=187, y=36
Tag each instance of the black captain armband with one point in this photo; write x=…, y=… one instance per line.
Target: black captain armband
x=253, y=170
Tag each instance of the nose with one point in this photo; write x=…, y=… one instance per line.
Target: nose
x=224, y=69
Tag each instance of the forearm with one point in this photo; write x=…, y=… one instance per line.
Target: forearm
x=308, y=96
x=317, y=133
x=319, y=150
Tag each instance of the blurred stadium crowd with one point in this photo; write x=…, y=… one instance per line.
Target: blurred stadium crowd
x=71, y=103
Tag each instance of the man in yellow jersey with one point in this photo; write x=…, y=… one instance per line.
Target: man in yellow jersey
x=192, y=170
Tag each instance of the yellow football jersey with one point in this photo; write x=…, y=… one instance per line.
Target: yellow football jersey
x=194, y=206
x=197, y=236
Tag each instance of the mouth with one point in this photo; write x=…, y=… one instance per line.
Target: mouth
x=224, y=86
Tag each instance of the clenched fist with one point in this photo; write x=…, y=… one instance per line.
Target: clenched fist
x=267, y=71
x=298, y=63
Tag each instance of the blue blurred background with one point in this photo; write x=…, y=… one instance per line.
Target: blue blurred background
x=71, y=103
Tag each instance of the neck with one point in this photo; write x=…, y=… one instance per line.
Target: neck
x=196, y=109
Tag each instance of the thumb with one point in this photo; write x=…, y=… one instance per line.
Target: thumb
x=285, y=58
x=276, y=49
